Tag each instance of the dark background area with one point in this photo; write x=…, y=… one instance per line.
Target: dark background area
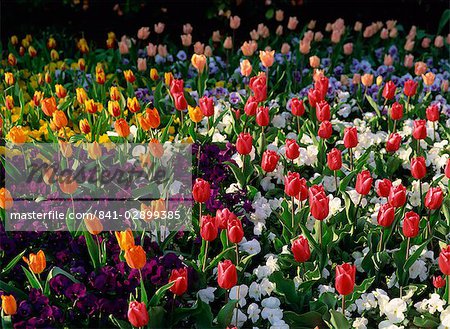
x=21, y=17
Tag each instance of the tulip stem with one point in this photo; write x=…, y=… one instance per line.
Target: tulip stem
x=395, y=124
x=319, y=233
x=420, y=196
x=292, y=214
x=237, y=286
x=408, y=241
x=351, y=158
x=343, y=305
x=380, y=244
x=447, y=288
x=434, y=131
x=298, y=125
x=428, y=224
x=206, y=256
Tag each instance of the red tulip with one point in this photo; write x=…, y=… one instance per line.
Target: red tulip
x=432, y=113
x=363, y=182
x=396, y=111
x=411, y=224
x=444, y=260
x=313, y=97
x=262, y=116
x=297, y=107
x=321, y=85
x=138, y=314
x=258, y=85
x=323, y=111
x=345, y=278
x=180, y=277
x=389, y=90
x=393, y=143
x=325, y=130
x=410, y=88
x=318, y=202
x=383, y=187
x=350, y=137
x=206, y=106
x=177, y=86
x=244, y=143
x=420, y=129
x=223, y=216
x=438, y=281
x=226, y=274
x=386, y=215
x=208, y=228
x=397, y=196
x=434, y=197
x=269, y=160
x=201, y=190
x=250, y=106
x=292, y=149
x=418, y=167
x=334, y=159
x=235, y=232
x=180, y=101
x=292, y=184
x=300, y=249
x=303, y=194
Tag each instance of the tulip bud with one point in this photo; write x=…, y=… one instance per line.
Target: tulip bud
x=393, y=143
x=269, y=160
x=244, y=143
x=418, y=167
x=9, y=304
x=350, y=137
x=363, y=182
x=180, y=277
x=389, y=90
x=318, y=202
x=334, y=159
x=292, y=184
x=201, y=190
x=325, y=130
x=420, y=129
x=235, y=231
x=345, y=278
x=438, y=281
x=383, y=187
x=444, y=260
x=300, y=249
x=397, y=196
x=36, y=262
x=122, y=128
x=136, y=257
x=411, y=224
x=226, y=274
x=434, y=197
x=386, y=215
x=6, y=200
x=208, y=228
x=297, y=107
x=432, y=113
x=223, y=216
x=138, y=314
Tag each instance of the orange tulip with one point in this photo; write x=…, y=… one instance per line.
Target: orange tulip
x=155, y=147
x=36, y=262
x=144, y=123
x=9, y=305
x=428, y=78
x=94, y=150
x=125, y=239
x=6, y=200
x=367, y=79
x=65, y=148
x=267, y=57
x=199, y=62
x=195, y=114
x=246, y=68
x=60, y=119
x=48, y=106
x=68, y=185
x=136, y=257
x=153, y=117
x=122, y=128
x=93, y=224
x=17, y=136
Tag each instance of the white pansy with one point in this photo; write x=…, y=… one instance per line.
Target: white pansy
x=218, y=138
x=445, y=319
x=323, y=289
x=325, y=273
x=254, y=291
x=354, y=196
x=262, y=271
x=243, y=290
x=271, y=302
x=266, y=183
x=272, y=314
x=258, y=228
x=266, y=287
x=360, y=323
x=272, y=263
x=238, y=158
x=432, y=305
x=395, y=309
x=253, y=312
x=329, y=183
x=279, y=120
x=388, y=325
x=241, y=318
x=418, y=270
x=251, y=247
x=207, y=295
x=366, y=302
x=279, y=324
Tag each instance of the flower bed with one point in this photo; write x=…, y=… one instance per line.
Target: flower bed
x=320, y=166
